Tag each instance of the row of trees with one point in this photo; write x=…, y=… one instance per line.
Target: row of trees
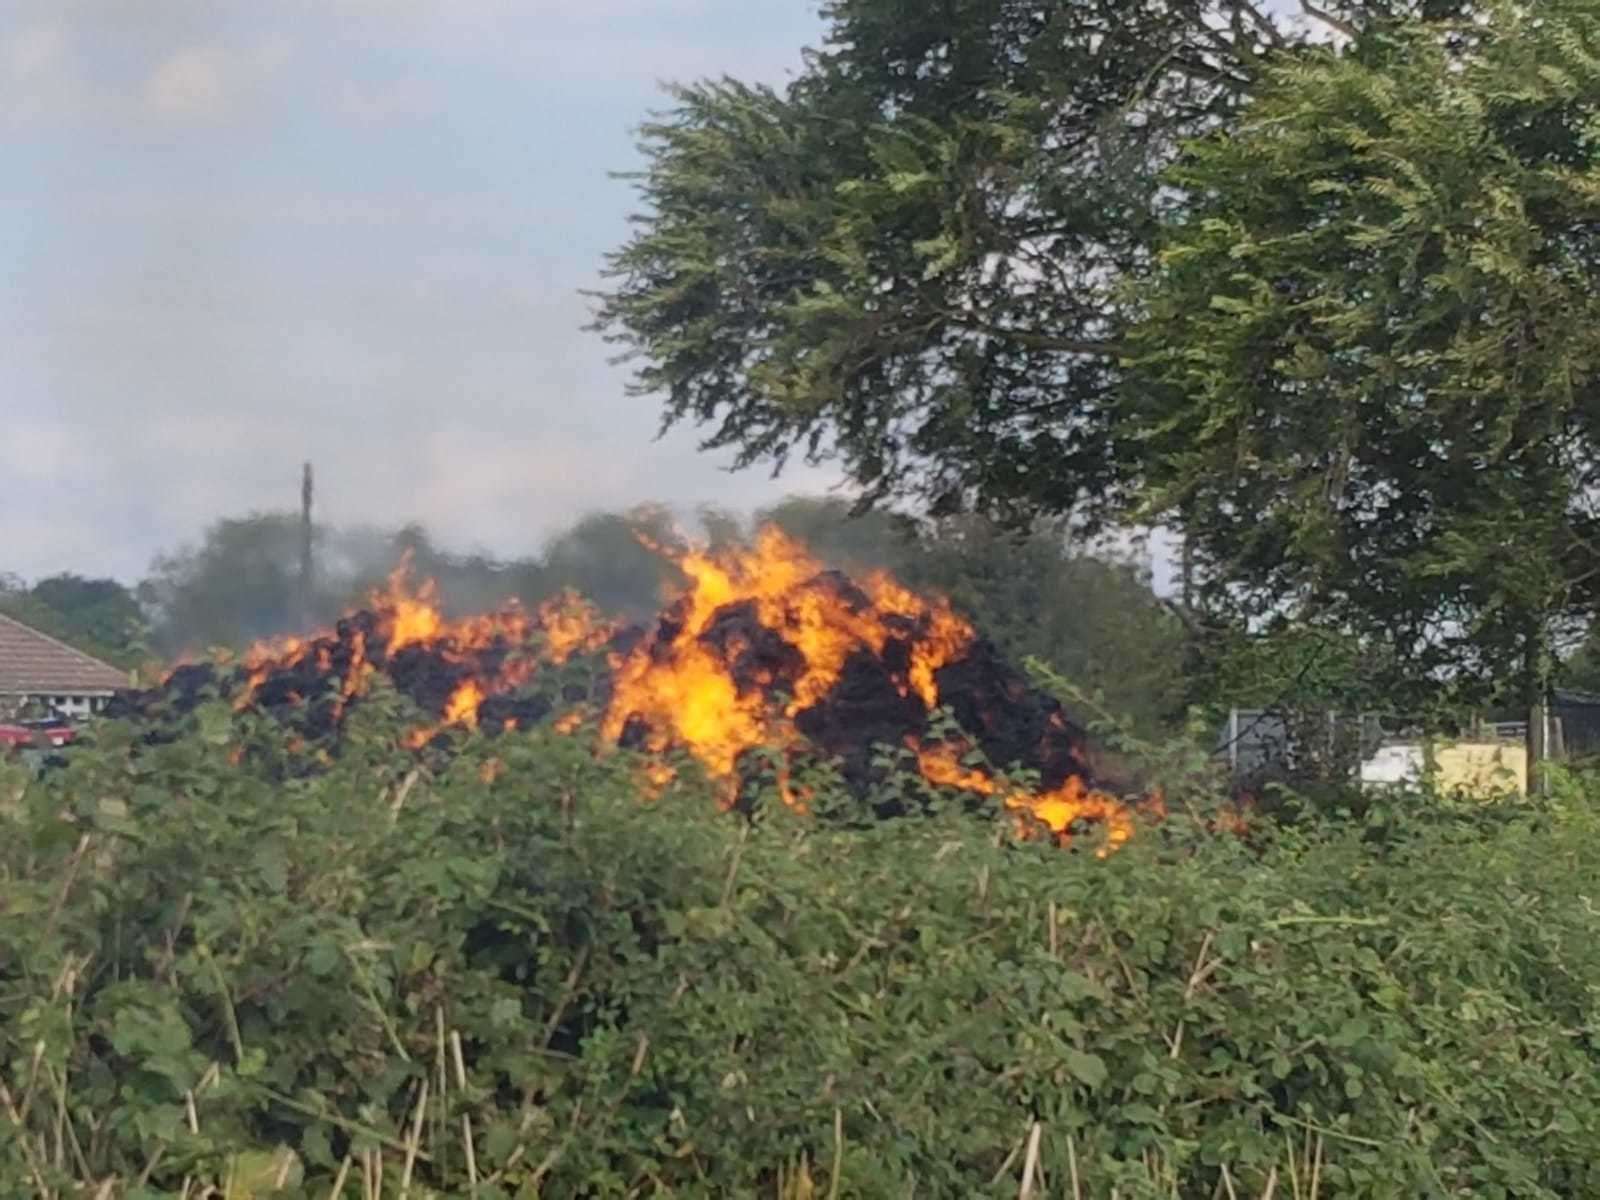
x=1317, y=292
x=1093, y=616
x=99, y=616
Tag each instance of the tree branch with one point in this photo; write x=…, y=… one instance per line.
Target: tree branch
x=1200, y=69
x=1040, y=341
x=1327, y=18
x=1263, y=23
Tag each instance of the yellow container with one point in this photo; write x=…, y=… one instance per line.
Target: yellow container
x=1483, y=770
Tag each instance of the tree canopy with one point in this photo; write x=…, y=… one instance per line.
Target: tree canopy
x=1372, y=341
x=910, y=260
x=98, y=616
x=1324, y=308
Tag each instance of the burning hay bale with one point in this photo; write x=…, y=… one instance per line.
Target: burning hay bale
x=763, y=653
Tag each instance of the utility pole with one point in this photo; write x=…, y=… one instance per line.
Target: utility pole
x=306, y=566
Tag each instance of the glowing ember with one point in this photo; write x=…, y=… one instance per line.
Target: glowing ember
x=464, y=705
x=405, y=631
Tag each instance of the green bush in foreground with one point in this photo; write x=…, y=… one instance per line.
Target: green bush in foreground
x=539, y=985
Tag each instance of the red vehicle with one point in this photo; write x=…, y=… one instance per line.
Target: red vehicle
x=53, y=732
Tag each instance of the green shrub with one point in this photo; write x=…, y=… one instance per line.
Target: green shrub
x=211, y=980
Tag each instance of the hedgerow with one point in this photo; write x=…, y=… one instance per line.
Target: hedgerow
x=508, y=974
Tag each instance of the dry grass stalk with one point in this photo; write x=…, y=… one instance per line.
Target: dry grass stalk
x=414, y=1141
x=1010, y=1159
x=1203, y=969
x=28, y=1149
x=733, y=865
x=336, y=1192
x=459, y=1061
x=838, y=1154
x=66, y=884
x=1030, y=1164
x=1305, y=1166
x=569, y=989
x=404, y=790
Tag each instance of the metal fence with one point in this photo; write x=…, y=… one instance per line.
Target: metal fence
x=1575, y=724
x=1259, y=743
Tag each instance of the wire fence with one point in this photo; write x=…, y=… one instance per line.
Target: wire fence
x=1299, y=744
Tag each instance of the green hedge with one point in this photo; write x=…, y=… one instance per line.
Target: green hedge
x=205, y=975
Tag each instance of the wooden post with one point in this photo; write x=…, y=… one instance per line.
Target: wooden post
x=306, y=566
x=1538, y=744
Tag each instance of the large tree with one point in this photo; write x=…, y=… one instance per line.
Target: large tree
x=1178, y=260
x=910, y=260
x=1372, y=343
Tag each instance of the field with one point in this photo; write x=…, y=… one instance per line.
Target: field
x=509, y=974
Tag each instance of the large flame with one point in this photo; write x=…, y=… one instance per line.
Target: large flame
x=756, y=639
x=715, y=697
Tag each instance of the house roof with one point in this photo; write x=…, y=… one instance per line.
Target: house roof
x=31, y=661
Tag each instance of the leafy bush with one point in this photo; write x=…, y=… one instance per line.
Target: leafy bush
x=510, y=976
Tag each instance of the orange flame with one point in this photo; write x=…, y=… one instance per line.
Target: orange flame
x=1059, y=809
x=571, y=624
x=684, y=688
x=464, y=705
x=410, y=616
x=699, y=684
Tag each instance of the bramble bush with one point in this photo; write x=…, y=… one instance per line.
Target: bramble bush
x=507, y=975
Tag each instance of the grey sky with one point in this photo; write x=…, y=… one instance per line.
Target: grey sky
x=237, y=235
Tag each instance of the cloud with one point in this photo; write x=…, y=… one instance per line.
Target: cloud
x=202, y=83
x=32, y=53
x=367, y=252
x=191, y=83
x=38, y=77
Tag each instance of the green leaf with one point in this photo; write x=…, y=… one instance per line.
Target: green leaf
x=1087, y=1068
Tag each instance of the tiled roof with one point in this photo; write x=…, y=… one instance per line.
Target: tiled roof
x=32, y=662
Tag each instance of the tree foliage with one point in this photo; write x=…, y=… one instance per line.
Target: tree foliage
x=1373, y=340
x=98, y=616
x=910, y=259
x=1326, y=311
